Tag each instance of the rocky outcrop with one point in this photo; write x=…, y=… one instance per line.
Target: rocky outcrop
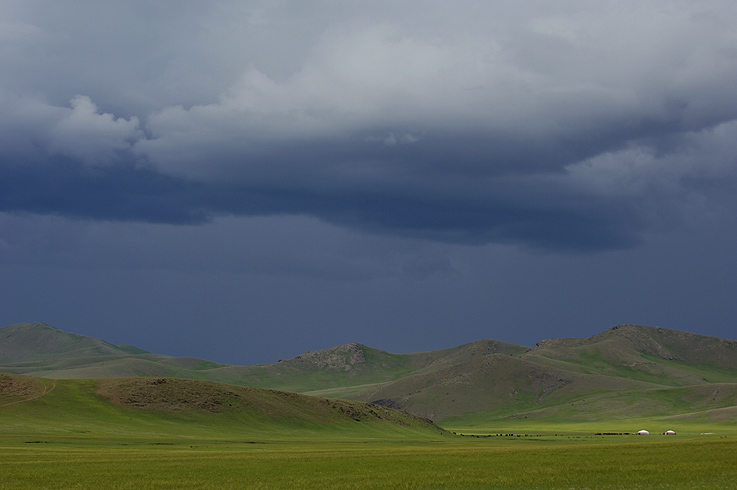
x=338, y=358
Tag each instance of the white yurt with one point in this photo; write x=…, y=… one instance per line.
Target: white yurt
x=670, y=432
x=643, y=433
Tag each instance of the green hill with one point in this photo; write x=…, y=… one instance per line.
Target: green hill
x=38, y=342
x=626, y=371
x=38, y=349
x=164, y=407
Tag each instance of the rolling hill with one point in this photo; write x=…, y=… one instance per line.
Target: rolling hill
x=626, y=371
x=41, y=350
x=165, y=407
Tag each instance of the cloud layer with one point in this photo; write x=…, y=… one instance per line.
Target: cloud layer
x=573, y=126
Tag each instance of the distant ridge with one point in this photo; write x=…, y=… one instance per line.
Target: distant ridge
x=632, y=341
x=29, y=342
x=39, y=349
x=628, y=369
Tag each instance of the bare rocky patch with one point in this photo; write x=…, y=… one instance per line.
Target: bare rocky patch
x=15, y=388
x=169, y=394
x=338, y=358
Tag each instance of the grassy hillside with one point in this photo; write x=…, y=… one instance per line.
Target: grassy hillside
x=165, y=407
x=38, y=349
x=544, y=410
x=340, y=370
x=626, y=371
x=346, y=369
x=38, y=342
x=653, y=354
x=160, y=433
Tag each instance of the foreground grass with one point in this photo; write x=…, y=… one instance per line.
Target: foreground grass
x=66, y=435
x=458, y=463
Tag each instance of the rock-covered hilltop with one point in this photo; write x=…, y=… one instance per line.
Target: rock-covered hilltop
x=338, y=358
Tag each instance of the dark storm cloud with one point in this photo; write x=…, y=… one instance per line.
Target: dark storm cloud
x=125, y=193
x=579, y=127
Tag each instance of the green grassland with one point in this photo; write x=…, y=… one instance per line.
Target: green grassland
x=627, y=371
x=37, y=349
x=560, y=415
x=164, y=407
x=153, y=433
x=325, y=463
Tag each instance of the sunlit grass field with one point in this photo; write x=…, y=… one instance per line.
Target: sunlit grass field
x=71, y=438
x=551, y=462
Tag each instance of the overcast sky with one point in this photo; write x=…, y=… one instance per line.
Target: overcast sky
x=246, y=180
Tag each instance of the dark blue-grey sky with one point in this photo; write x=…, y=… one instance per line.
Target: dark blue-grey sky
x=247, y=180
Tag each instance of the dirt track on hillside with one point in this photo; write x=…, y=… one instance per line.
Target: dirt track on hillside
x=45, y=391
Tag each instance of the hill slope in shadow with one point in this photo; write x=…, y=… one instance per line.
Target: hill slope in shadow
x=625, y=371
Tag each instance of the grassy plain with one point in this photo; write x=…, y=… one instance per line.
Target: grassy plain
x=65, y=435
x=562, y=462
